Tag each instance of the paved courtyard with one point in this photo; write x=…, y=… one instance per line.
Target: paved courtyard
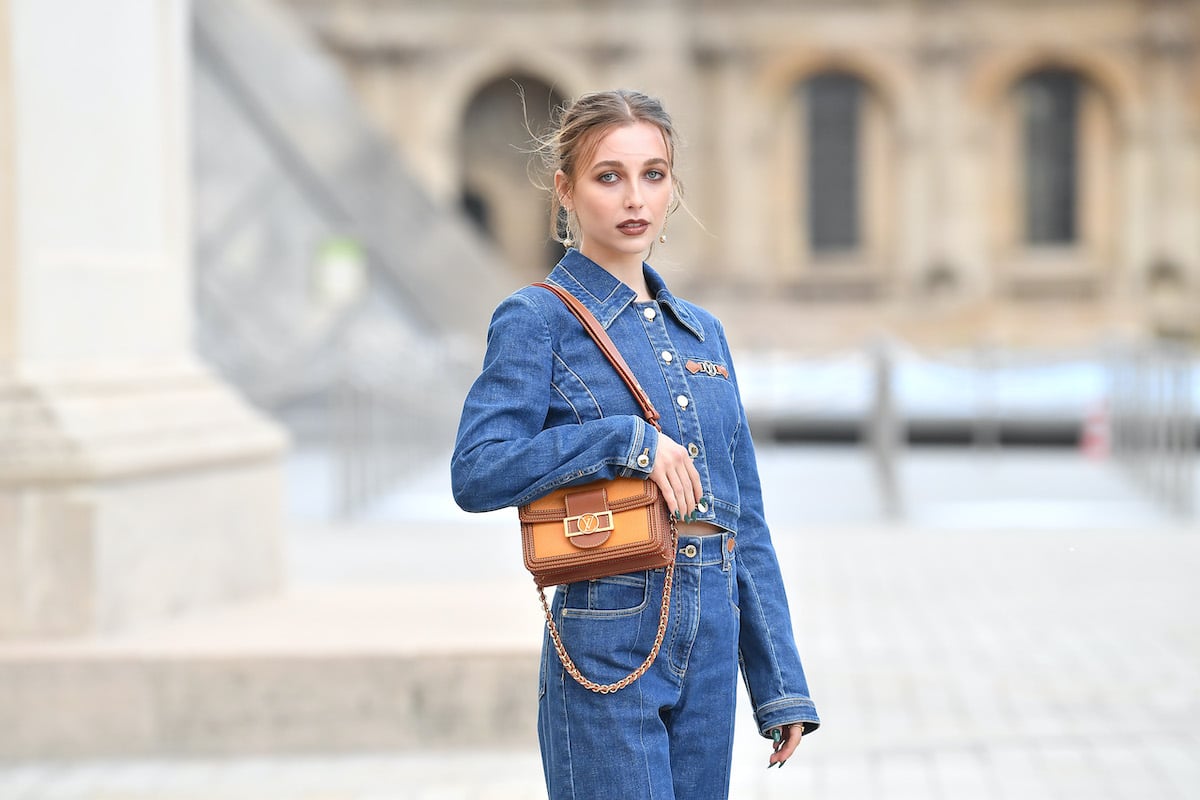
x=1029, y=631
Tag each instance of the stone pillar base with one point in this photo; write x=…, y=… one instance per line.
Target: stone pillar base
x=129, y=497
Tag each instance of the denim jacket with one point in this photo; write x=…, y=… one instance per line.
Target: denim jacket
x=548, y=410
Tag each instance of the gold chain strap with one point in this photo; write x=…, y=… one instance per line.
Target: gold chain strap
x=608, y=688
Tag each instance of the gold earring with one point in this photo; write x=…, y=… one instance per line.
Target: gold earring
x=662, y=237
x=568, y=241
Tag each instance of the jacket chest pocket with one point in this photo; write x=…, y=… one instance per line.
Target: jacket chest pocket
x=571, y=399
x=586, y=390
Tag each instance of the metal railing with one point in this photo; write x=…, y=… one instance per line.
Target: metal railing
x=379, y=434
x=1150, y=416
x=1154, y=420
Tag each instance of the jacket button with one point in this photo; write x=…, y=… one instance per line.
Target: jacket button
x=666, y=356
x=650, y=313
x=682, y=400
x=643, y=461
x=702, y=506
x=693, y=450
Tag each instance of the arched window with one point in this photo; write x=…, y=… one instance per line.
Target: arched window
x=833, y=214
x=833, y=122
x=1054, y=194
x=1048, y=107
x=497, y=180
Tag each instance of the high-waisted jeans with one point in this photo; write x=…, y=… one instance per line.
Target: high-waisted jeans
x=669, y=735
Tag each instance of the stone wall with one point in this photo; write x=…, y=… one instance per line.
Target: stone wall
x=941, y=207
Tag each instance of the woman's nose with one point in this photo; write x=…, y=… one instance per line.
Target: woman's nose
x=633, y=197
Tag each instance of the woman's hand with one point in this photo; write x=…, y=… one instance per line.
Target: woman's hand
x=785, y=740
x=676, y=476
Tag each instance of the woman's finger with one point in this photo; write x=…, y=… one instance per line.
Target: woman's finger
x=670, y=494
x=684, y=493
x=693, y=479
x=789, y=740
x=672, y=473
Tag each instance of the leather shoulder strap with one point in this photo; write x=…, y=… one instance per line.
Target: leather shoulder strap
x=605, y=343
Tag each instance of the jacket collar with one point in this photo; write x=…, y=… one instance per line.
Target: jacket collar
x=606, y=297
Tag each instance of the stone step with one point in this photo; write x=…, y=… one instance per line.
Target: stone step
x=320, y=669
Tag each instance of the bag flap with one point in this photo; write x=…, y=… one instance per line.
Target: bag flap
x=622, y=494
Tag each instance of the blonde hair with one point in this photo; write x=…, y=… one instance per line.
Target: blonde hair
x=578, y=129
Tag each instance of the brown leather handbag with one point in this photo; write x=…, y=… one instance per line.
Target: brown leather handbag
x=602, y=528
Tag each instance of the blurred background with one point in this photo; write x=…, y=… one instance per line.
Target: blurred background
x=991, y=207
x=248, y=253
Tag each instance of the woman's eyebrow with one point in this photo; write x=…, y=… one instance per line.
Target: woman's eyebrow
x=621, y=164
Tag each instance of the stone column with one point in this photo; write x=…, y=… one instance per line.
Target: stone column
x=942, y=248
x=1171, y=56
x=743, y=208
x=133, y=483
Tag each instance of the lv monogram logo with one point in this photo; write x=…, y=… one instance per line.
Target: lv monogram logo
x=587, y=522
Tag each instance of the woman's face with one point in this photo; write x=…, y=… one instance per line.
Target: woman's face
x=621, y=194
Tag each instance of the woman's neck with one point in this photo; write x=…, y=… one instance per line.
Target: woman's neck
x=633, y=276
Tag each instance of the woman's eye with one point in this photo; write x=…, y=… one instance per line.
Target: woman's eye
x=655, y=175
x=608, y=177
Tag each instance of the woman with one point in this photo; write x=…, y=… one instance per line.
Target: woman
x=547, y=410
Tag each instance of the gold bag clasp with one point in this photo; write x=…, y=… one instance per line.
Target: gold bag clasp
x=587, y=524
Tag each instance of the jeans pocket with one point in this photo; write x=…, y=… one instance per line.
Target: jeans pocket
x=614, y=596
x=734, y=597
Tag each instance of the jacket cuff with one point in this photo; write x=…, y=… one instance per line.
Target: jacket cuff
x=639, y=461
x=787, y=711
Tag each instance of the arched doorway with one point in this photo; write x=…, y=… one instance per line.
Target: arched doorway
x=500, y=177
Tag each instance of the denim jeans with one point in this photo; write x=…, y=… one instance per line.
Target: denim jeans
x=669, y=735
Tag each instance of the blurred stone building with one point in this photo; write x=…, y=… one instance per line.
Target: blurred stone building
x=1000, y=171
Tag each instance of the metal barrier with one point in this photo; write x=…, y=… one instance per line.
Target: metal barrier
x=885, y=429
x=1151, y=418
x=383, y=432
x=1153, y=415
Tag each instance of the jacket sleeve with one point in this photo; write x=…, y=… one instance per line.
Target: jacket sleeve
x=503, y=454
x=770, y=661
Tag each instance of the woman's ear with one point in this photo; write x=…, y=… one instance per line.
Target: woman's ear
x=562, y=188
